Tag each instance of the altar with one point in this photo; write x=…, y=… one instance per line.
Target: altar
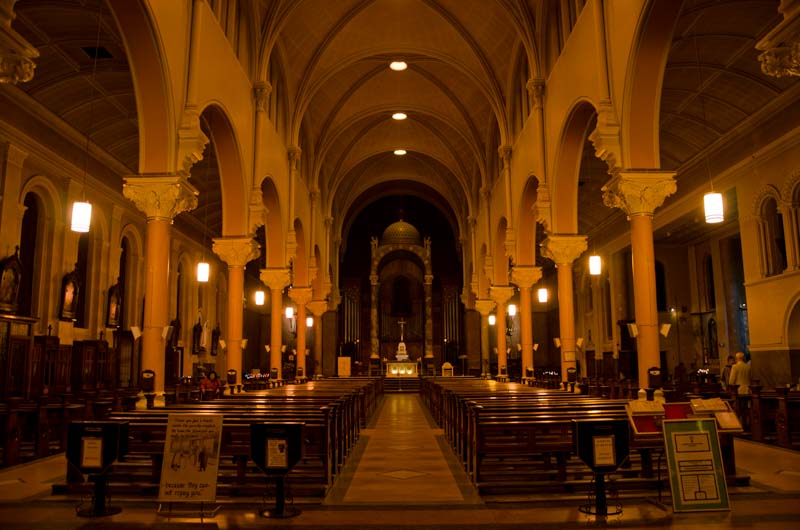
x=401, y=369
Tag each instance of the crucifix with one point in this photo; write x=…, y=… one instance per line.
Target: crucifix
x=401, y=323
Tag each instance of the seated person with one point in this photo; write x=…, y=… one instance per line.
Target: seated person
x=210, y=385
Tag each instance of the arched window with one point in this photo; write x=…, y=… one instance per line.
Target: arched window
x=661, y=287
x=123, y=279
x=773, y=242
x=83, y=276
x=28, y=250
x=711, y=295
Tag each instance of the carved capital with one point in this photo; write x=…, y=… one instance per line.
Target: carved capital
x=160, y=197
x=563, y=249
x=484, y=307
x=505, y=155
x=467, y=298
x=428, y=278
x=317, y=307
x=191, y=140
x=373, y=280
x=275, y=278
x=501, y=294
x=293, y=154
x=605, y=138
x=301, y=295
x=526, y=276
x=639, y=192
x=16, y=53
x=236, y=251
x=780, y=47
x=261, y=92
x=535, y=88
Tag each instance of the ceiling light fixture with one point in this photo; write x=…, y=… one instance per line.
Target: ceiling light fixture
x=398, y=66
x=399, y=116
x=400, y=152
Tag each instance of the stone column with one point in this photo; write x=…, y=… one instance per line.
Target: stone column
x=501, y=294
x=791, y=235
x=373, y=317
x=484, y=307
x=563, y=250
x=236, y=252
x=317, y=308
x=161, y=199
x=429, y=316
x=301, y=296
x=525, y=278
x=638, y=194
x=276, y=279
x=12, y=159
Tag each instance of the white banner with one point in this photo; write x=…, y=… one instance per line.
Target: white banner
x=191, y=458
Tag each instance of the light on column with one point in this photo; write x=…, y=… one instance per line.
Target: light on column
x=542, y=293
x=595, y=265
x=512, y=310
x=259, y=297
x=309, y=322
x=492, y=320
x=712, y=203
x=202, y=271
x=81, y=216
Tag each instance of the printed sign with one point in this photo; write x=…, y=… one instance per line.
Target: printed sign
x=91, y=452
x=277, y=454
x=604, y=451
x=696, y=474
x=191, y=458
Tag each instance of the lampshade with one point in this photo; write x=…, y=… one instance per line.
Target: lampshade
x=202, y=271
x=289, y=312
x=81, y=216
x=492, y=320
x=259, y=297
x=512, y=310
x=309, y=322
x=542, y=295
x=712, y=203
x=595, y=265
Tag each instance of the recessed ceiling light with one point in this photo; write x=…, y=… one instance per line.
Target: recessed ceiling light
x=399, y=116
x=399, y=152
x=398, y=66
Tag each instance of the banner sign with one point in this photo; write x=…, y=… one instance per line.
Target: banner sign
x=696, y=474
x=191, y=458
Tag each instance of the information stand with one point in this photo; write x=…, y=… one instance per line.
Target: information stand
x=190, y=465
x=92, y=446
x=275, y=449
x=603, y=445
x=696, y=475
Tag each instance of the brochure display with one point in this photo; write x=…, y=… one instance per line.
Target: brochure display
x=696, y=475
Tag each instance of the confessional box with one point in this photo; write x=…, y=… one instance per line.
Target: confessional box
x=46, y=355
x=91, y=365
x=16, y=346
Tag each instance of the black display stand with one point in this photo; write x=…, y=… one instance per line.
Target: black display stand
x=603, y=445
x=275, y=449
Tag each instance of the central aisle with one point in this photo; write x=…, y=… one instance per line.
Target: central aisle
x=403, y=461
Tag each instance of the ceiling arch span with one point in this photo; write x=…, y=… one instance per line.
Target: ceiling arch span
x=372, y=194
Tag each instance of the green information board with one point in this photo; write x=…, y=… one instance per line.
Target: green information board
x=696, y=475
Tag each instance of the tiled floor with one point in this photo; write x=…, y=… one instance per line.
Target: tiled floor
x=402, y=475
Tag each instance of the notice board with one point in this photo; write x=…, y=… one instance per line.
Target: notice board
x=696, y=475
x=191, y=458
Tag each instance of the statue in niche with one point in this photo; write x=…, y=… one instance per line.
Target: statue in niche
x=70, y=291
x=215, y=333
x=197, y=334
x=11, y=268
x=114, y=305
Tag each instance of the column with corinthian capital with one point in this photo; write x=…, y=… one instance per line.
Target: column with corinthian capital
x=501, y=294
x=317, y=308
x=525, y=277
x=276, y=279
x=638, y=194
x=236, y=252
x=161, y=198
x=563, y=250
x=301, y=296
x=429, y=317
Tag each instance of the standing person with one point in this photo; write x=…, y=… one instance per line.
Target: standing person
x=726, y=372
x=740, y=374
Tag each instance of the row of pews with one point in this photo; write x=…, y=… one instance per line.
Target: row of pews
x=333, y=410
x=514, y=438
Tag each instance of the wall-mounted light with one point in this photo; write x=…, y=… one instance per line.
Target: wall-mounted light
x=309, y=322
x=557, y=342
x=289, y=311
x=512, y=310
x=542, y=293
x=259, y=297
x=492, y=319
x=595, y=265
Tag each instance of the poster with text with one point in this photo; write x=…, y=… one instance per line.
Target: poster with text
x=191, y=458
